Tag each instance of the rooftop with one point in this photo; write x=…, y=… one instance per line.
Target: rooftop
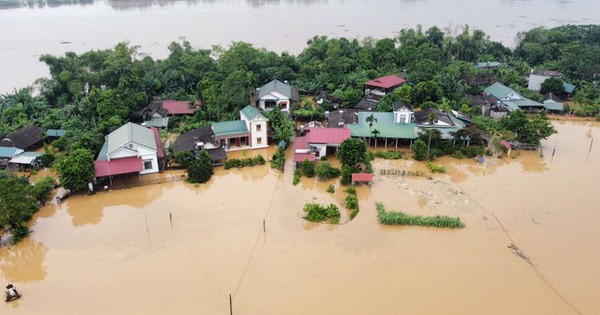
x=118, y=166
x=230, y=128
x=327, y=135
x=250, y=112
x=127, y=133
x=180, y=107
x=386, y=82
x=281, y=88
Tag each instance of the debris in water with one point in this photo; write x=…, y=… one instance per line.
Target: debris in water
x=12, y=293
x=519, y=253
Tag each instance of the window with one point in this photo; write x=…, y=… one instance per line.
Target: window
x=148, y=165
x=258, y=140
x=259, y=127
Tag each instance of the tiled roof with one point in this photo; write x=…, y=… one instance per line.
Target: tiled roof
x=386, y=82
x=118, y=166
x=230, y=128
x=499, y=90
x=281, y=88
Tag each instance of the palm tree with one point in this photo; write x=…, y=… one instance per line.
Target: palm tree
x=370, y=120
x=375, y=133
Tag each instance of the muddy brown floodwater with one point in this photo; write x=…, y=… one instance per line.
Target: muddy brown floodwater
x=116, y=252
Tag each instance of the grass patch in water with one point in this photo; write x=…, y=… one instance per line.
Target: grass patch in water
x=400, y=218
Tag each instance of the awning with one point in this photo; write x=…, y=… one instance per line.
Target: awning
x=362, y=177
x=300, y=157
x=118, y=166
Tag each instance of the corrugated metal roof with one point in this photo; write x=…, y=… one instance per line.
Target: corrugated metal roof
x=300, y=157
x=327, y=135
x=386, y=82
x=57, y=133
x=552, y=105
x=25, y=158
x=384, y=124
x=499, y=90
x=230, y=128
x=130, y=132
x=276, y=86
x=9, y=152
x=118, y=166
x=159, y=122
x=250, y=112
x=362, y=177
x=159, y=147
x=569, y=88
x=179, y=107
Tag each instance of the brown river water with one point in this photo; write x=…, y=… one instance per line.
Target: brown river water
x=279, y=25
x=116, y=252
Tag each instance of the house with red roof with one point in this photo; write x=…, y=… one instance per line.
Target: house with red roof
x=130, y=149
x=382, y=86
x=318, y=142
x=158, y=111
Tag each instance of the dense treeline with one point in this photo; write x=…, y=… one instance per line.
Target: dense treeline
x=93, y=93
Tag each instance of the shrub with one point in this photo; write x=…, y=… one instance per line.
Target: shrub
x=297, y=176
x=278, y=159
x=47, y=159
x=351, y=202
x=42, y=189
x=183, y=158
x=19, y=232
x=200, y=170
x=331, y=188
x=419, y=148
x=239, y=163
x=400, y=218
x=458, y=155
x=435, y=168
x=308, y=168
x=325, y=171
x=353, y=213
x=318, y=213
x=351, y=190
x=388, y=155
x=346, y=175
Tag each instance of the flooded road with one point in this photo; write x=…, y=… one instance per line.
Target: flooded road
x=279, y=25
x=116, y=252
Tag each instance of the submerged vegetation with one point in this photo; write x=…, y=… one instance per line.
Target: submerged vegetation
x=19, y=201
x=388, y=155
x=239, y=163
x=400, y=218
x=435, y=168
x=319, y=213
x=352, y=202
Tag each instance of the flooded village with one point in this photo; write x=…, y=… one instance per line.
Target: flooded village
x=117, y=251
x=432, y=172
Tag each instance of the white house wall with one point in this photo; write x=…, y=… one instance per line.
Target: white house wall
x=254, y=134
x=318, y=147
x=143, y=153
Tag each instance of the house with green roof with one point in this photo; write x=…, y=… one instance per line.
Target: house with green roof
x=394, y=127
x=511, y=99
x=276, y=94
x=249, y=132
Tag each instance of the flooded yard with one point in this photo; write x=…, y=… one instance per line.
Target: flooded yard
x=118, y=252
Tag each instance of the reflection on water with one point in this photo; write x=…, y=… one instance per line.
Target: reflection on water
x=24, y=262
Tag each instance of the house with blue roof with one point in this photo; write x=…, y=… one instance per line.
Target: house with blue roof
x=249, y=132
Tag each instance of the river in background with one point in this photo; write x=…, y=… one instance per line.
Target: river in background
x=117, y=252
x=286, y=25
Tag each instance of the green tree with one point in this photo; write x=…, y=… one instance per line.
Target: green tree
x=352, y=152
x=419, y=148
x=308, y=168
x=76, y=170
x=200, y=169
x=552, y=85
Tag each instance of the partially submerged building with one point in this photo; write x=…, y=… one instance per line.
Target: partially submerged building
x=249, y=132
x=200, y=139
x=130, y=149
x=317, y=143
x=511, y=99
